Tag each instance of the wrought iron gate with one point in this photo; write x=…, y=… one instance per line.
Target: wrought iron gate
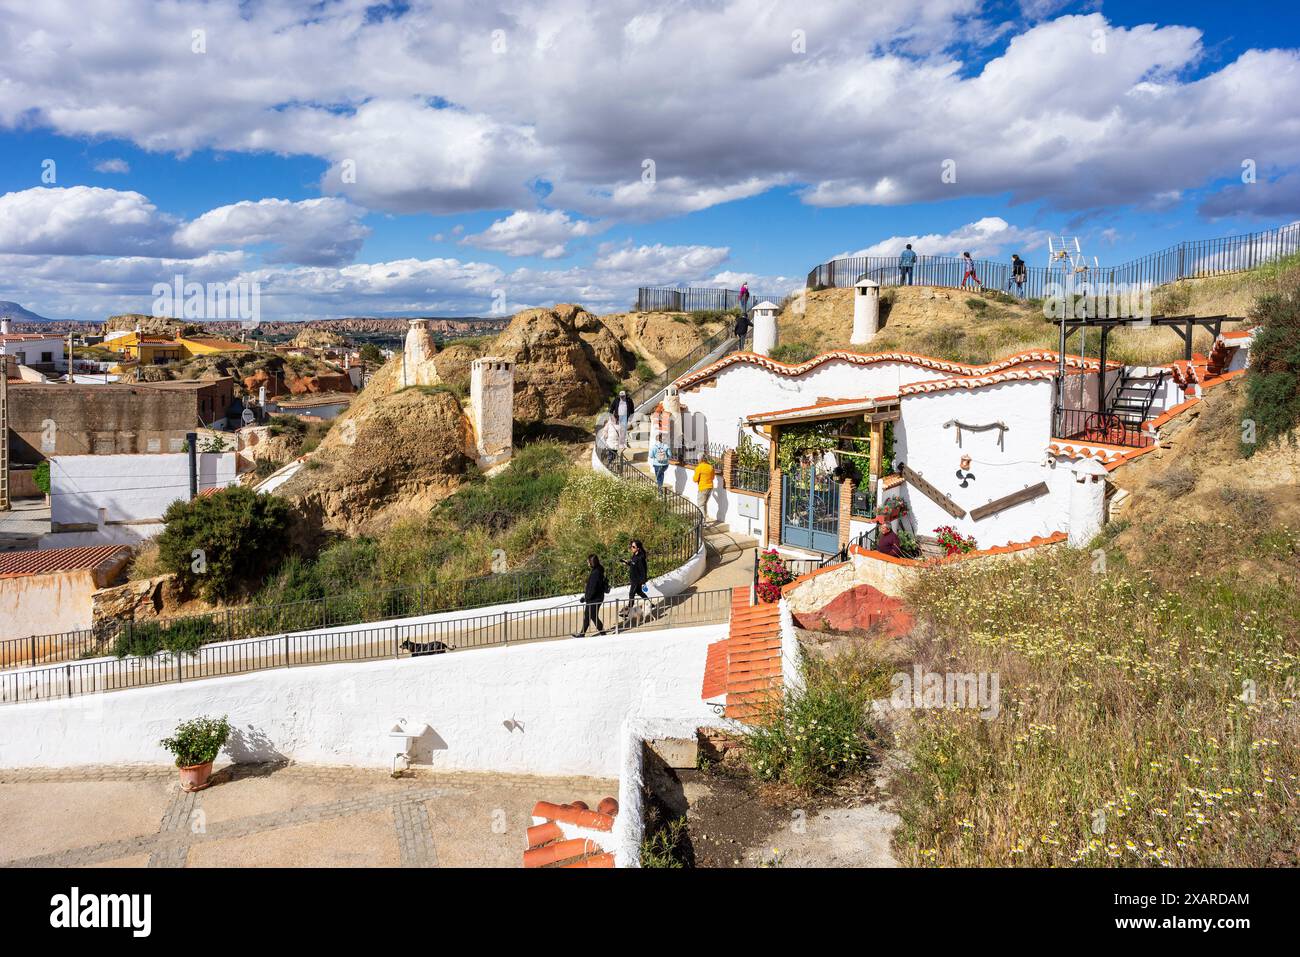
x=810, y=510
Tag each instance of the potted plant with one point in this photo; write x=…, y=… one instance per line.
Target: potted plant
x=953, y=542
x=196, y=744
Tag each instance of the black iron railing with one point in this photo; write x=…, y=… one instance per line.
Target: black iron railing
x=722, y=343
x=1092, y=426
x=358, y=644
x=1186, y=260
x=751, y=480
x=676, y=299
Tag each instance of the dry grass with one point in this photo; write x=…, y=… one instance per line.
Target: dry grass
x=1147, y=713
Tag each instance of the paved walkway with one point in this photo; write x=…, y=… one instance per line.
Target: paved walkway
x=274, y=816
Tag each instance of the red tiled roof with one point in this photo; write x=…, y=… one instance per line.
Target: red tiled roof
x=859, y=358
x=43, y=561
x=746, y=665
x=565, y=835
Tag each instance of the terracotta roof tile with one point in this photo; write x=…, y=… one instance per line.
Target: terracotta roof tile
x=562, y=836
x=1030, y=356
x=746, y=665
x=43, y=561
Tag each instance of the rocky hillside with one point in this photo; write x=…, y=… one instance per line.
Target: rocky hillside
x=568, y=361
x=394, y=454
x=954, y=324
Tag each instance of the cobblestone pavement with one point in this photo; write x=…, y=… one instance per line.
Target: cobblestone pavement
x=273, y=815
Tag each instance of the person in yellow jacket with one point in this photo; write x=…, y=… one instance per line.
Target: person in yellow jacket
x=703, y=476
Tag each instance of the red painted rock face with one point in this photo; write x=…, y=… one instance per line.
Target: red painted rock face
x=861, y=608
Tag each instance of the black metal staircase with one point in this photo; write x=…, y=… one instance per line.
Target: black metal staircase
x=1133, y=399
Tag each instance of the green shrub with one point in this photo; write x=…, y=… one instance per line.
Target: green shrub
x=533, y=481
x=1273, y=383
x=817, y=733
x=198, y=740
x=218, y=543
x=42, y=477
x=792, y=353
x=150, y=637
x=287, y=425
x=663, y=847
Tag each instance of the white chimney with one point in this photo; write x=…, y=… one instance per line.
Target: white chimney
x=1087, y=501
x=765, y=327
x=866, y=311
x=492, y=408
x=4, y=326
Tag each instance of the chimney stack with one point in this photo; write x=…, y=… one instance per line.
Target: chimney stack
x=866, y=311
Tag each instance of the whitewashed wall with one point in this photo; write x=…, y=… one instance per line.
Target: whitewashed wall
x=744, y=388
x=930, y=449
x=131, y=488
x=724, y=505
x=546, y=708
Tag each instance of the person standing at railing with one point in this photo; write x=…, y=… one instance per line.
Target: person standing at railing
x=743, y=298
x=660, y=455
x=970, y=272
x=887, y=540
x=906, y=260
x=703, y=476
x=593, y=594
x=1019, y=273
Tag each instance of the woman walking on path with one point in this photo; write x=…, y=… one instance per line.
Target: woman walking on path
x=638, y=573
x=621, y=409
x=743, y=298
x=970, y=272
x=660, y=455
x=592, y=595
x=607, y=441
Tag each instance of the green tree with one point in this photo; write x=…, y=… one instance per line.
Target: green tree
x=1273, y=383
x=218, y=544
x=370, y=353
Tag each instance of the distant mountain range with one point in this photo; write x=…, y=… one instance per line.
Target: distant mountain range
x=24, y=320
x=17, y=314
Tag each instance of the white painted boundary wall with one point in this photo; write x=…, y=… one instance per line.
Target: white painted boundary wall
x=129, y=488
x=552, y=707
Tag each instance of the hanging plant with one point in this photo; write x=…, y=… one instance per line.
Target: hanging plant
x=892, y=509
x=798, y=441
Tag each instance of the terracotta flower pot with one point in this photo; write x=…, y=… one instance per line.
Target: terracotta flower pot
x=194, y=777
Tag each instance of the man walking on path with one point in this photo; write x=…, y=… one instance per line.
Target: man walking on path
x=906, y=260
x=592, y=595
x=970, y=272
x=659, y=458
x=703, y=476
x=742, y=330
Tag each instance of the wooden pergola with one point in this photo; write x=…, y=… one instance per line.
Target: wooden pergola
x=874, y=411
x=1183, y=326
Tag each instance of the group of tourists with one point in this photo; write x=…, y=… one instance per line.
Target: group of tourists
x=1019, y=271
x=597, y=587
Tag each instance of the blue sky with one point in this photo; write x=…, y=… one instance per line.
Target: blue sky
x=441, y=159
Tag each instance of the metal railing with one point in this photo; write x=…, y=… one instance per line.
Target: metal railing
x=1194, y=259
x=360, y=644
x=1106, y=427
x=64, y=646
x=677, y=504
x=722, y=343
x=751, y=480
x=696, y=299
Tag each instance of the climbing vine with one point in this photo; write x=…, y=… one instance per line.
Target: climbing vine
x=818, y=438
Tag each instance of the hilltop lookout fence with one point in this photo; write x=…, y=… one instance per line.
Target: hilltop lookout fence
x=677, y=299
x=1187, y=260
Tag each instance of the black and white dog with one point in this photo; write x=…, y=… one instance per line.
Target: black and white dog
x=418, y=648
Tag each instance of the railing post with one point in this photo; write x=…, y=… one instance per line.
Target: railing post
x=505, y=627
x=67, y=672
x=33, y=650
